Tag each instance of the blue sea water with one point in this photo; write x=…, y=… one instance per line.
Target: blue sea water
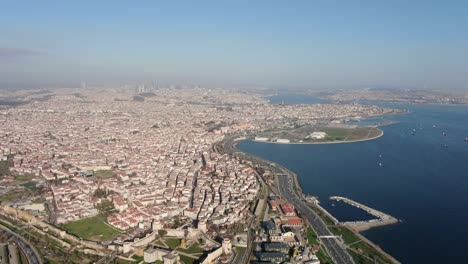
x=295, y=98
x=424, y=181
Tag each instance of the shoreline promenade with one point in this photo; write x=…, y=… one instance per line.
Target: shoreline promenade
x=321, y=143
x=331, y=244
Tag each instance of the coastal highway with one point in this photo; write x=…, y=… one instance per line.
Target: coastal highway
x=332, y=245
x=26, y=248
x=285, y=186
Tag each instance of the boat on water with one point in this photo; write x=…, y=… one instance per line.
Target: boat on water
x=444, y=133
x=381, y=164
x=466, y=139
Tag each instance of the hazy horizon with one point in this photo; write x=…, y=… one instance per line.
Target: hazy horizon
x=300, y=44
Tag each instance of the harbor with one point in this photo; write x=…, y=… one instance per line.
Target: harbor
x=381, y=219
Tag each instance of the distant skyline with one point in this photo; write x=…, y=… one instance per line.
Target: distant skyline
x=316, y=44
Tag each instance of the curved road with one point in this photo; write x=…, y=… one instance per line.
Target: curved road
x=332, y=245
x=25, y=247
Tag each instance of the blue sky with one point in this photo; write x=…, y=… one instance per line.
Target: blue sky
x=316, y=44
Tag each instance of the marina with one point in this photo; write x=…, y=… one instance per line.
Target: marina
x=380, y=220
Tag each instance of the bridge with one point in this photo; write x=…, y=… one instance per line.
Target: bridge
x=329, y=237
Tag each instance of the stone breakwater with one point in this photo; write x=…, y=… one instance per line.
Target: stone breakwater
x=380, y=220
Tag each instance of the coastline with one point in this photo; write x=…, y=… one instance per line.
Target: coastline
x=298, y=189
x=320, y=143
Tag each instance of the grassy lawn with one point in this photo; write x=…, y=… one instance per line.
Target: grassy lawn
x=92, y=228
x=348, y=236
x=360, y=259
x=239, y=228
x=311, y=236
x=193, y=249
x=186, y=260
x=22, y=179
x=11, y=196
x=159, y=243
x=362, y=247
x=368, y=251
x=4, y=168
x=29, y=185
x=342, y=133
x=172, y=242
x=336, y=133
x=323, y=257
x=137, y=259
x=123, y=261
x=105, y=174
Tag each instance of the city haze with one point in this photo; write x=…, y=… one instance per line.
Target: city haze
x=311, y=44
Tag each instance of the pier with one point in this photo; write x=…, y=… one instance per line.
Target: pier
x=380, y=220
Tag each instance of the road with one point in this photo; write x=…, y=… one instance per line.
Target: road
x=285, y=186
x=25, y=247
x=109, y=258
x=332, y=245
x=244, y=258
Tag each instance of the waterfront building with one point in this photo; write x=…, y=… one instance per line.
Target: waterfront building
x=287, y=209
x=294, y=222
x=273, y=205
x=276, y=247
x=272, y=256
x=269, y=227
